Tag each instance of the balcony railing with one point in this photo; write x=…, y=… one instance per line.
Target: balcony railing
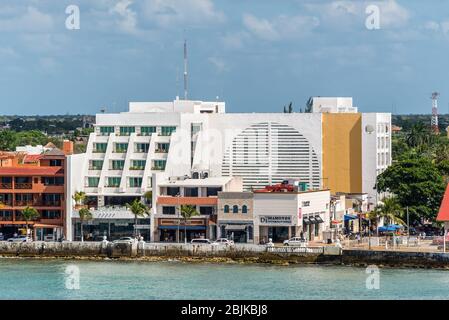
x=161, y=151
x=7, y=218
x=5, y=185
x=23, y=186
x=21, y=203
x=158, y=168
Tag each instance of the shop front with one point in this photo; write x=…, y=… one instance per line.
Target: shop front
x=175, y=230
x=313, y=227
x=238, y=231
x=276, y=228
x=113, y=229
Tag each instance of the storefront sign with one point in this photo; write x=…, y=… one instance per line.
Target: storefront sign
x=142, y=226
x=275, y=220
x=192, y=222
x=121, y=224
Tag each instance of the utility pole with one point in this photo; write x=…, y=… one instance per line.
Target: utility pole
x=408, y=227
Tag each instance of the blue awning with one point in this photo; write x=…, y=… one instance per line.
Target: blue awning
x=182, y=227
x=391, y=227
x=350, y=217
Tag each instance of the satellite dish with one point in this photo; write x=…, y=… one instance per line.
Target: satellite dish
x=369, y=128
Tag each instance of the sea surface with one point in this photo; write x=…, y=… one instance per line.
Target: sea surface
x=64, y=279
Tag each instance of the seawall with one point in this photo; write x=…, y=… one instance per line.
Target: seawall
x=237, y=253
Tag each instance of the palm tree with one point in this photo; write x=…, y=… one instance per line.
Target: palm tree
x=28, y=214
x=418, y=136
x=390, y=211
x=187, y=212
x=139, y=210
x=85, y=215
x=79, y=197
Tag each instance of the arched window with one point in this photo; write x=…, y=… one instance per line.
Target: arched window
x=235, y=209
x=226, y=209
x=244, y=209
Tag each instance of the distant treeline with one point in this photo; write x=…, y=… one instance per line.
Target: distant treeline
x=407, y=121
x=51, y=125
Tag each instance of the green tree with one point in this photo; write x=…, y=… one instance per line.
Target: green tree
x=418, y=136
x=417, y=184
x=187, y=212
x=148, y=197
x=7, y=138
x=79, y=197
x=139, y=210
x=32, y=137
x=390, y=211
x=29, y=214
x=85, y=215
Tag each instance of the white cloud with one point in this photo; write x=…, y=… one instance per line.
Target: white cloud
x=432, y=25
x=128, y=18
x=32, y=20
x=235, y=40
x=392, y=14
x=173, y=13
x=262, y=28
x=342, y=14
x=219, y=64
x=280, y=27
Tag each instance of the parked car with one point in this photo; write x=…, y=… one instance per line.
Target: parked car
x=296, y=241
x=125, y=240
x=224, y=241
x=2, y=237
x=20, y=239
x=200, y=241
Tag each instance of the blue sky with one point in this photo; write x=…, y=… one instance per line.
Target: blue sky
x=257, y=55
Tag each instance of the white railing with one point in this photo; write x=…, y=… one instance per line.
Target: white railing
x=289, y=249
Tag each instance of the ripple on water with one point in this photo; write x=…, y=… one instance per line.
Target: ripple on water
x=46, y=279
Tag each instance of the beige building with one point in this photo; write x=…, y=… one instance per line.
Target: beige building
x=235, y=216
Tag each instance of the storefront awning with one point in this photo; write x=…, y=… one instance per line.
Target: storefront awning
x=182, y=228
x=306, y=221
x=312, y=220
x=350, y=217
x=318, y=219
x=49, y=226
x=235, y=227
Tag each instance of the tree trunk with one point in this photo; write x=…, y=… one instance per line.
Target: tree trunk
x=185, y=231
x=82, y=234
x=135, y=226
x=26, y=226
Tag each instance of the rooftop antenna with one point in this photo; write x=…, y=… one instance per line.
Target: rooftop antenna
x=434, y=121
x=185, y=69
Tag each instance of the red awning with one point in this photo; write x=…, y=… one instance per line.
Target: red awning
x=443, y=214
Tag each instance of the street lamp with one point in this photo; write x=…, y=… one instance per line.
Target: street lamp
x=179, y=215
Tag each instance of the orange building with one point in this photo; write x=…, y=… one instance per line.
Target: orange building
x=36, y=181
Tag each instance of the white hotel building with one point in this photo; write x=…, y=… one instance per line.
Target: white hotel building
x=342, y=151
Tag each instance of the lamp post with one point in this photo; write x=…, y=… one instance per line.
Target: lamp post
x=179, y=214
x=408, y=227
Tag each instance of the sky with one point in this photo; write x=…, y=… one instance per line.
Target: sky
x=256, y=55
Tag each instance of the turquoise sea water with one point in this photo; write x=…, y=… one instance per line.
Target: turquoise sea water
x=46, y=279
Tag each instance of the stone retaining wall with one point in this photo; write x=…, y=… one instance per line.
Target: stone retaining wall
x=396, y=258
x=250, y=253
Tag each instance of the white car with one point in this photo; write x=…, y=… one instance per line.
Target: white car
x=296, y=241
x=200, y=241
x=224, y=241
x=125, y=240
x=20, y=239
